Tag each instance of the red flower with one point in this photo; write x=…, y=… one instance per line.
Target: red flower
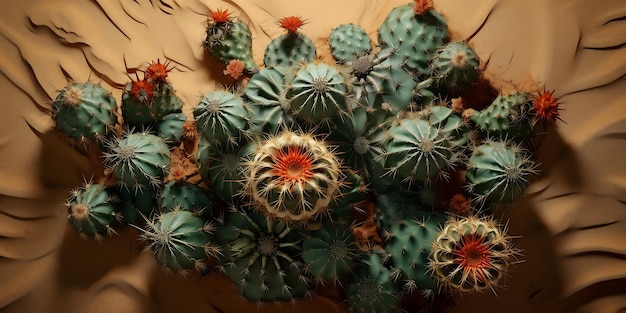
x=220, y=16
x=420, y=7
x=142, y=90
x=291, y=23
x=546, y=107
x=157, y=72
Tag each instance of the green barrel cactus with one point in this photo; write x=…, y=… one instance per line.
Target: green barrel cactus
x=415, y=37
x=507, y=117
x=499, y=172
x=266, y=93
x=92, y=211
x=372, y=289
x=135, y=203
x=348, y=41
x=262, y=257
x=170, y=128
x=289, y=49
x=221, y=116
x=330, y=252
x=408, y=244
x=318, y=93
x=85, y=111
x=472, y=254
x=417, y=151
x=180, y=241
x=293, y=177
x=138, y=160
x=145, y=103
x=455, y=66
x=228, y=39
x=179, y=195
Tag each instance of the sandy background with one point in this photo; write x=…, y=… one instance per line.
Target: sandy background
x=572, y=226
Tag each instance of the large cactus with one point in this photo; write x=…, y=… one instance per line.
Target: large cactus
x=221, y=116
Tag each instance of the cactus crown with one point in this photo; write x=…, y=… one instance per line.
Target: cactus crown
x=291, y=23
x=73, y=96
x=220, y=16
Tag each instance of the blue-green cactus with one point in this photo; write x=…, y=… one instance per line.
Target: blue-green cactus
x=180, y=241
x=499, y=172
x=507, y=117
x=135, y=203
x=262, y=257
x=289, y=49
x=348, y=41
x=179, y=195
x=415, y=37
x=138, y=160
x=85, y=111
x=92, y=210
x=145, y=103
x=170, y=128
x=455, y=66
x=228, y=40
x=371, y=289
x=267, y=95
x=221, y=116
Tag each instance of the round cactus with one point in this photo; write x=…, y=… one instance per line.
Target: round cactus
x=455, y=66
x=507, y=117
x=318, y=93
x=170, y=128
x=269, y=106
x=228, y=39
x=348, y=41
x=471, y=254
x=145, y=102
x=329, y=252
x=262, y=257
x=85, y=111
x=135, y=203
x=292, y=176
x=178, y=195
x=221, y=116
x=291, y=48
x=92, y=211
x=180, y=241
x=408, y=243
x=417, y=151
x=371, y=289
x=415, y=37
x=138, y=160
x=499, y=172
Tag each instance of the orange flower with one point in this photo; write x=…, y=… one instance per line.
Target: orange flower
x=546, y=107
x=142, y=90
x=220, y=16
x=420, y=7
x=157, y=72
x=234, y=68
x=291, y=23
x=293, y=166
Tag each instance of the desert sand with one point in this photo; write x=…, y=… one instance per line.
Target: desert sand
x=571, y=226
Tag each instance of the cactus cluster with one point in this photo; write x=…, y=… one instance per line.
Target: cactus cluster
x=369, y=170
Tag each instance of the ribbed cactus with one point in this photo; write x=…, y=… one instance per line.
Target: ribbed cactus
x=319, y=93
x=179, y=195
x=92, y=210
x=371, y=289
x=291, y=48
x=408, y=243
x=329, y=252
x=472, y=254
x=136, y=202
x=138, y=160
x=292, y=176
x=499, y=172
x=348, y=41
x=417, y=151
x=228, y=39
x=455, y=66
x=85, y=111
x=221, y=116
x=507, y=117
x=180, y=241
x=268, y=103
x=170, y=128
x=145, y=102
x=415, y=37
x=262, y=257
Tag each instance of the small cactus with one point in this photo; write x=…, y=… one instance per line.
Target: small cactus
x=455, y=66
x=180, y=241
x=221, y=116
x=291, y=48
x=145, y=102
x=178, y=195
x=507, y=117
x=471, y=254
x=348, y=41
x=92, y=211
x=228, y=39
x=85, y=111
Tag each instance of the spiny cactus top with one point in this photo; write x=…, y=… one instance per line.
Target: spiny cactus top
x=85, y=111
x=292, y=176
x=472, y=254
x=92, y=210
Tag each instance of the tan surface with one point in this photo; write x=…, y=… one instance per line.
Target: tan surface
x=572, y=226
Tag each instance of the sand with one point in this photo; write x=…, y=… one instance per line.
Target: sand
x=571, y=226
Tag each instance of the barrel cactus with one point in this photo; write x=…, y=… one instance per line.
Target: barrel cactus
x=291, y=48
x=145, y=102
x=372, y=289
x=138, y=160
x=179, y=195
x=292, y=176
x=85, y=111
x=229, y=39
x=180, y=241
x=221, y=116
x=499, y=171
x=262, y=257
x=507, y=117
x=472, y=254
x=455, y=66
x=348, y=41
x=93, y=211
x=267, y=94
